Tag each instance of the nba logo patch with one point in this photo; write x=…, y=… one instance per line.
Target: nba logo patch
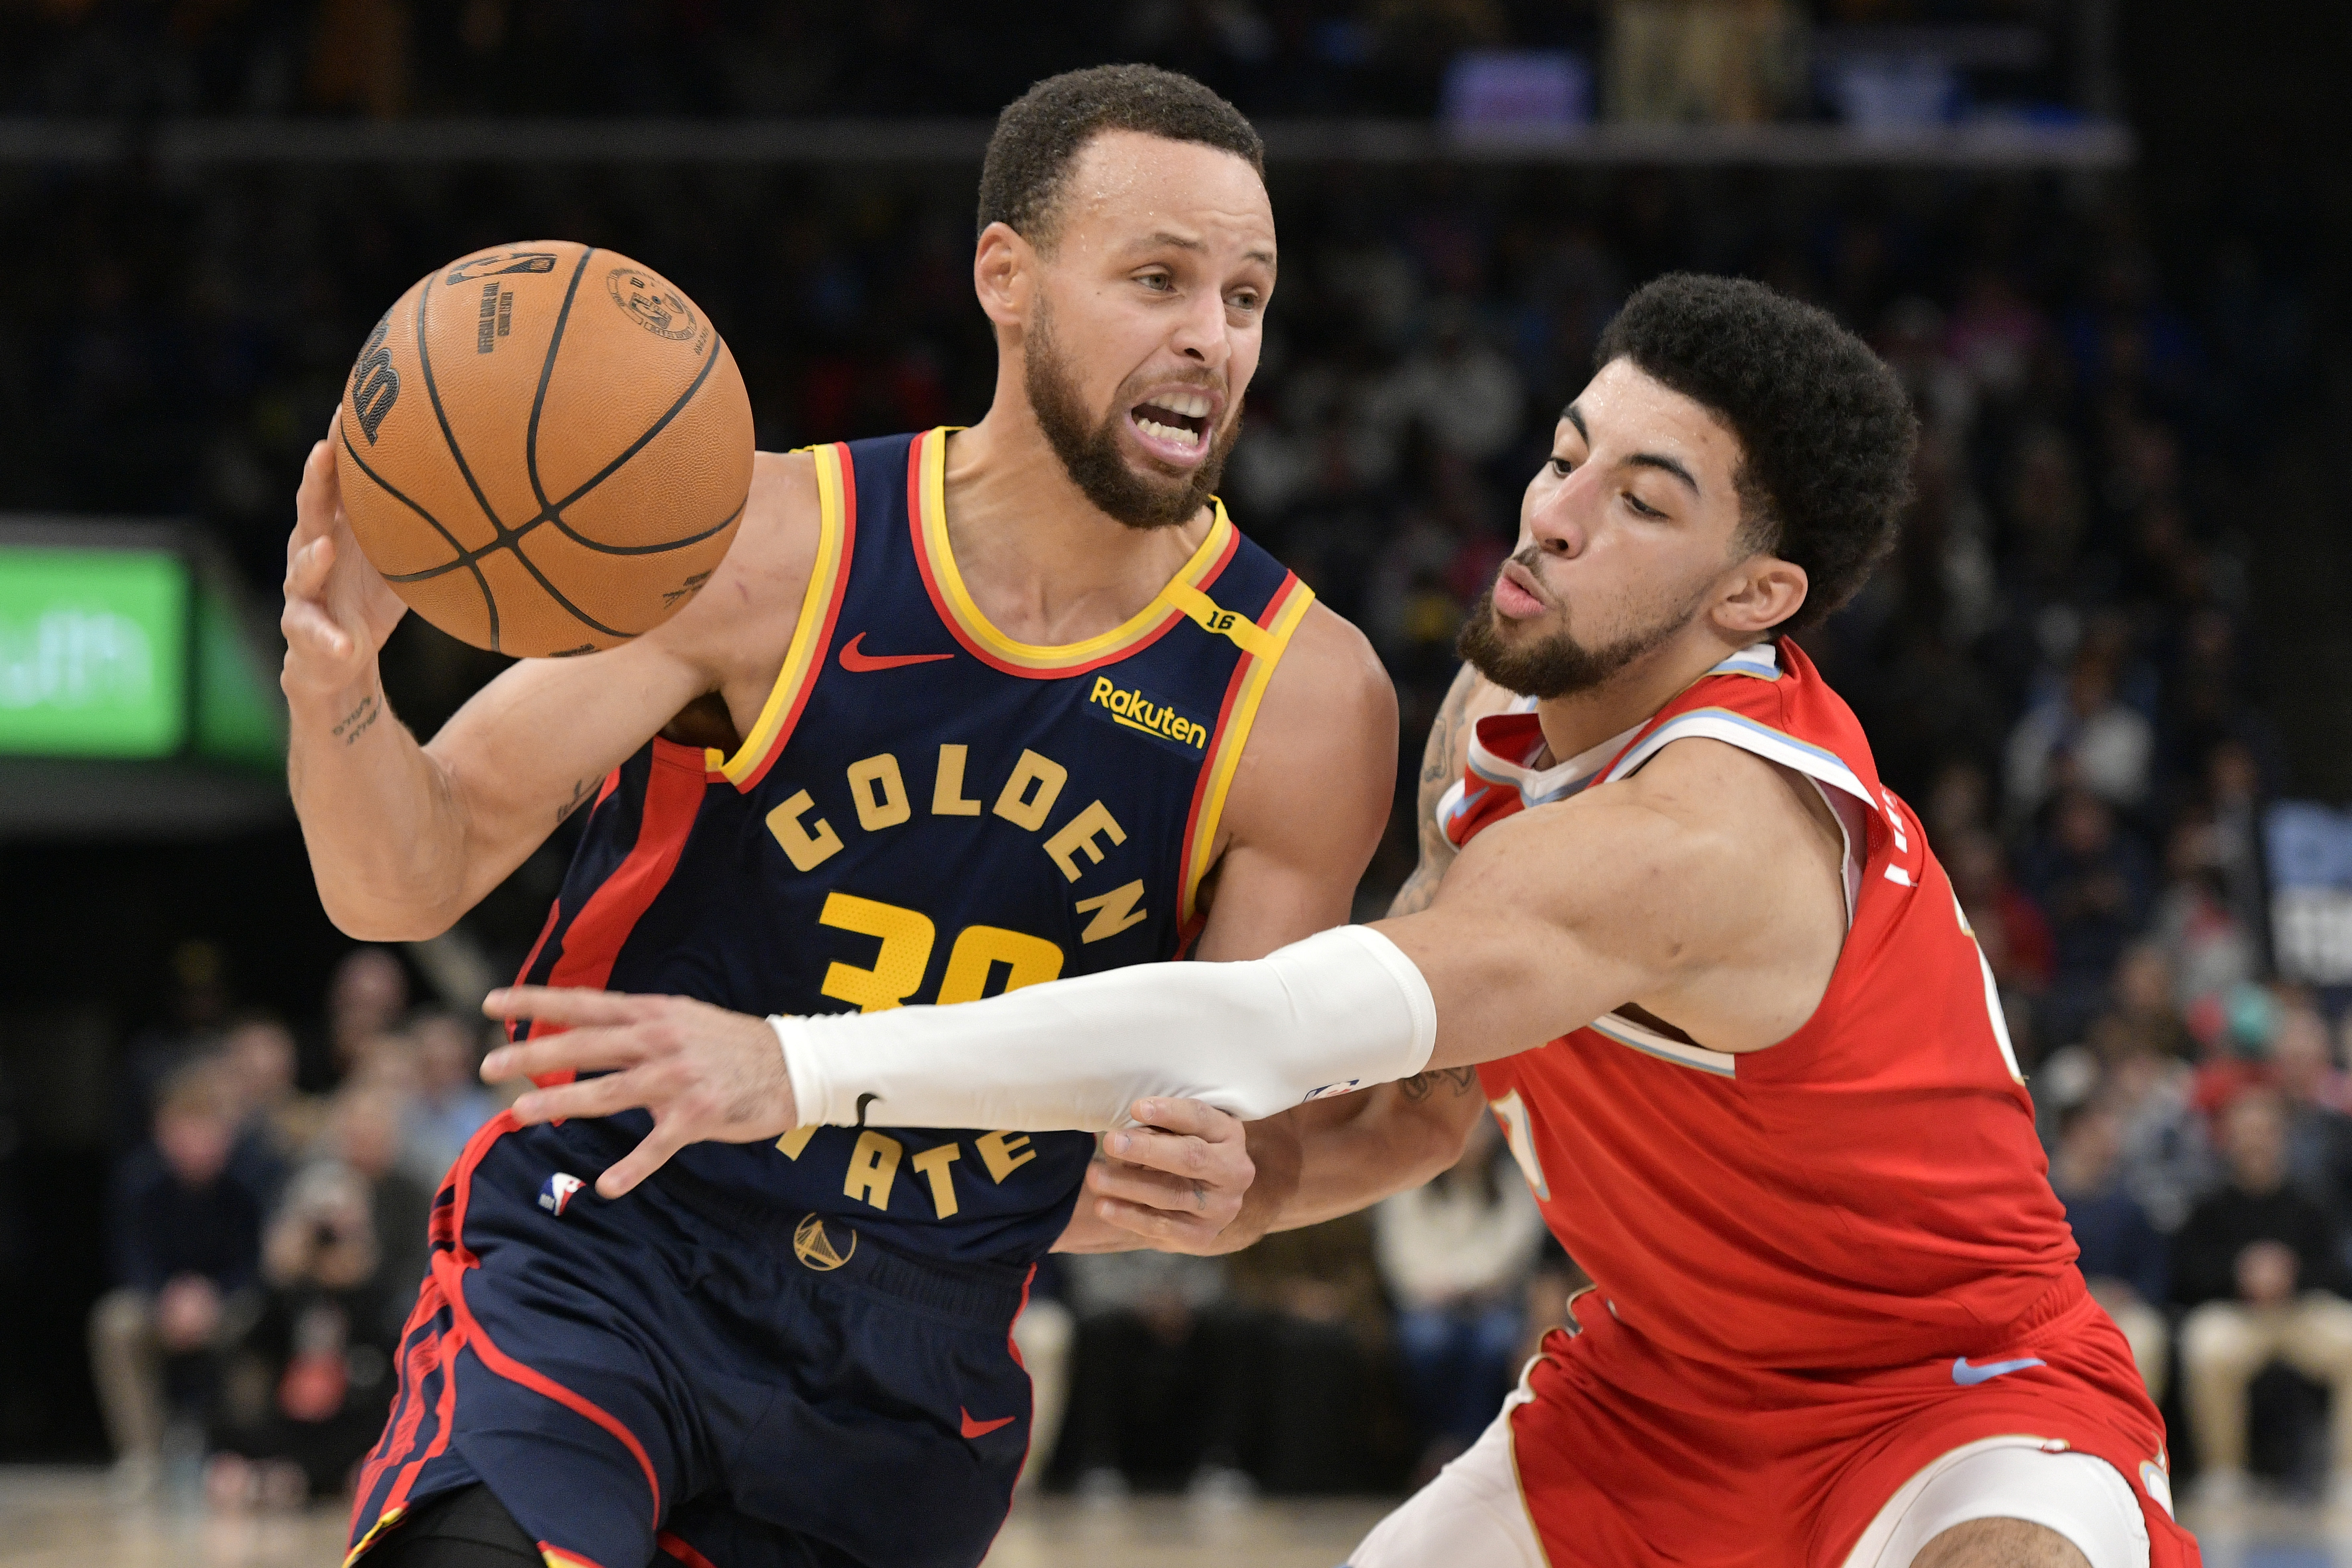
x=555, y=1193
x=1332, y=1090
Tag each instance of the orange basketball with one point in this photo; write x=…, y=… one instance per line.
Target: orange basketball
x=544, y=448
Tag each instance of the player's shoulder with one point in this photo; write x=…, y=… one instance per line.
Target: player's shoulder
x=1330, y=684
x=753, y=596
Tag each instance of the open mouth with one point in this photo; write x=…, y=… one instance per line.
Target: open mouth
x=1175, y=424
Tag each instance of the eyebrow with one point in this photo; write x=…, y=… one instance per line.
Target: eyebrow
x=1201, y=247
x=1657, y=460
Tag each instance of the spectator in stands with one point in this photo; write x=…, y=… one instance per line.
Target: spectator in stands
x=2093, y=881
x=2258, y=1264
x=2210, y=950
x=186, y=1235
x=2085, y=733
x=2312, y=1086
x=343, y=1259
x=262, y=1059
x=2145, y=1005
x=2122, y=1255
x=1145, y=1358
x=1302, y=1391
x=450, y=1103
x=365, y=998
x=1455, y=1255
x=2168, y=1160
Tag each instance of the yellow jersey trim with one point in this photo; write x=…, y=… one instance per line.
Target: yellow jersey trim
x=930, y=495
x=1291, y=609
x=806, y=652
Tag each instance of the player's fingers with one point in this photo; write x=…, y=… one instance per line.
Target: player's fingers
x=643, y=1161
x=563, y=1004
x=316, y=498
x=307, y=569
x=310, y=629
x=1196, y=1116
x=574, y=1050
x=1184, y=1154
x=605, y=1096
x=1172, y=1232
x=1110, y=1178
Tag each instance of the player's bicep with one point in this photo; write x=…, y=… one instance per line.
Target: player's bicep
x=1553, y=918
x=533, y=746
x=1310, y=797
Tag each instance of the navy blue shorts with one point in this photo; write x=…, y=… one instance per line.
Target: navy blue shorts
x=684, y=1375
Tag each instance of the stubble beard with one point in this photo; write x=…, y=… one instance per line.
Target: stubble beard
x=1090, y=452
x=1558, y=665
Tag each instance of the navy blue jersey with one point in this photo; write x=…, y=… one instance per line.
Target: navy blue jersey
x=927, y=812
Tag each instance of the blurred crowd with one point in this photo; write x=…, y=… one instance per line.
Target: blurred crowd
x=266, y=1228
x=1725, y=59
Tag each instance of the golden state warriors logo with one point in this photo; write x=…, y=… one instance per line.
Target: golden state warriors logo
x=656, y=307
x=813, y=1246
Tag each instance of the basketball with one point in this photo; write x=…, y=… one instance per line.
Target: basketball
x=544, y=448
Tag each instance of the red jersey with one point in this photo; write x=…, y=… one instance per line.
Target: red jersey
x=1868, y=1193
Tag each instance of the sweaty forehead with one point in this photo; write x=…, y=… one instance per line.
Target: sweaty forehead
x=1125, y=186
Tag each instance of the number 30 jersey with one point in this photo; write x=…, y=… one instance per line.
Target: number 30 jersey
x=1869, y=1192
x=926, y=811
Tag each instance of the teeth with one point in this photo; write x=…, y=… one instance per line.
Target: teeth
x=1183, y=437
x=1192, y=405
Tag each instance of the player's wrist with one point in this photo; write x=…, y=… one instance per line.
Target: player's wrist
x=342, y=709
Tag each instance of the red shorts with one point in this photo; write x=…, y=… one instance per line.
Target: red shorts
x=1630, y=1456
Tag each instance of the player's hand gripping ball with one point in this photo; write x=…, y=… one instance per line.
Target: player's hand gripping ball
x=544, y=448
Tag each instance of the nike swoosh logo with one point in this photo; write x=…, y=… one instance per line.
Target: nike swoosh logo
x=859, y=663
x=972, y=1428
x=1969, y=1376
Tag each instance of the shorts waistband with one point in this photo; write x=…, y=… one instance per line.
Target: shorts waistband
x=985, y=1294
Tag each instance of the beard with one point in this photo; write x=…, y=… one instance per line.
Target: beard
x=1558, y=665
x=1090, y=452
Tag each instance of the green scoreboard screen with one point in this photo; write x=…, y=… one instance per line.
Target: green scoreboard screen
x=122, y=653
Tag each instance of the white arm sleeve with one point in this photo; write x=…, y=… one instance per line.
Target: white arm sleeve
x=1338, y=1011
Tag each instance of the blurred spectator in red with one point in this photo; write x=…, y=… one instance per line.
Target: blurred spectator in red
x=2259, y=1266
x=2122, y=1255
x=1455, y=1255
x=2009, y=928
x=450, y=1103
x=2234, y=1033
x=186, y=1235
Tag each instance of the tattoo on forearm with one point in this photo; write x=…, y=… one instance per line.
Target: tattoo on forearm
x=579, y=792
x=359, y=719
x=1422, y=1086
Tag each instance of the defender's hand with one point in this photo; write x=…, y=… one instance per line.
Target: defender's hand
x=706, y=1075
x=339, y=609
x=1177, y=1180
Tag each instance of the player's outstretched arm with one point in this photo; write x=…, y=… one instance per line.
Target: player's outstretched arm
x=1705, y=890
x=404, y=837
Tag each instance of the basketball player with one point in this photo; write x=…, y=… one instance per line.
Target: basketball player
x=1836, y=1317
x=961, y=712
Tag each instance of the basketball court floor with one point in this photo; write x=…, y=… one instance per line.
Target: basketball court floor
x=61, y=1518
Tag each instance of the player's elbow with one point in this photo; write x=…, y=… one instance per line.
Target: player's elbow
x=371, y=919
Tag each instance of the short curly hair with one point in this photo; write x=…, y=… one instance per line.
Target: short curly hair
x=1825, y=429
x=1041, y=133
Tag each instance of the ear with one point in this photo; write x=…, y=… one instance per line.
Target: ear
x=1764, y=590
x=1003, y=275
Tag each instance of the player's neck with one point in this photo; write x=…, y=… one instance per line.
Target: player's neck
x=1044, y=564
x=1576, y=724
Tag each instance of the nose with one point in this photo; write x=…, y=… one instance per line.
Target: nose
x=1200, y=334
x=1555, y=517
